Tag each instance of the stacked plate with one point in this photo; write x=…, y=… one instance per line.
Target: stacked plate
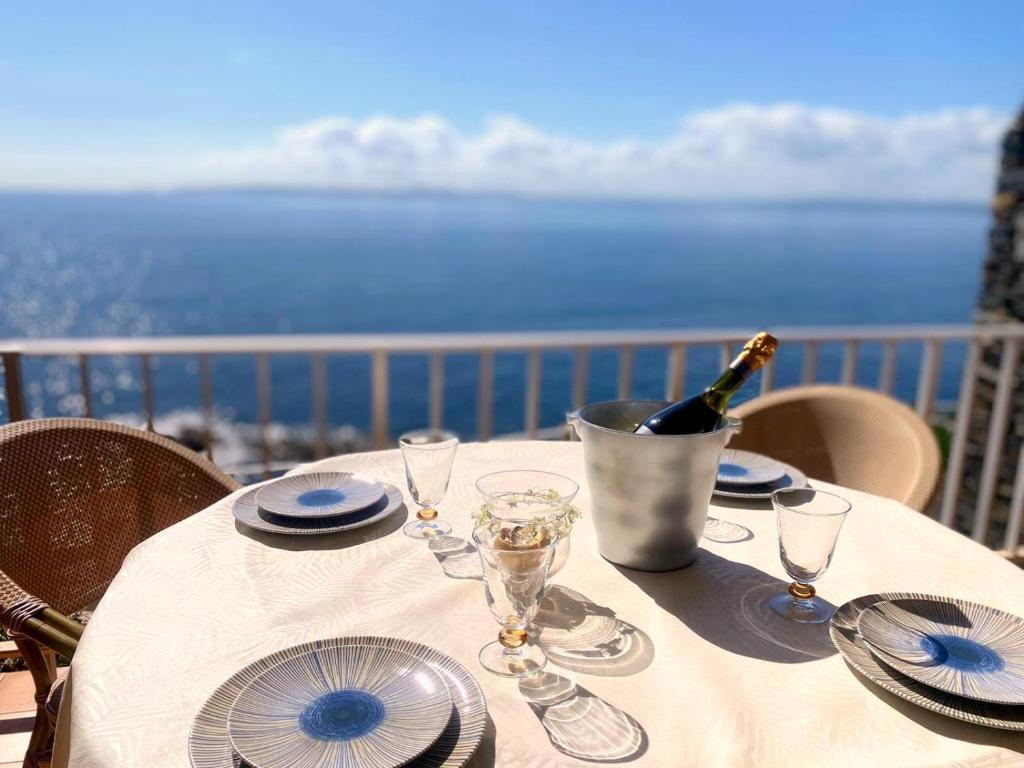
x=316, y=502
x=357, y=702
x=950, y=656
x=747, y=475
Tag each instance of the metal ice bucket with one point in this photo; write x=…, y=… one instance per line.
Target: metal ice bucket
x=649, y=493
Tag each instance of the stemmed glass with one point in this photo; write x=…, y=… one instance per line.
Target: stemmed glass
x=528, y=496
x=428, y=455
x=515, y=559
x=809, y=523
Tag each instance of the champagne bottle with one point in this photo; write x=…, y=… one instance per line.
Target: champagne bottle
x=703, y=412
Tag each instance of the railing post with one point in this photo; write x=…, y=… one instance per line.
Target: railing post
x=626, y=355
x=263, y=390
x=318, y=374
x=436, y=390
x=206, y=385
x=958, y=445
x=1016, y=515
x=532, y=392
x=725, y=355
x=485, y=396
x=147, y=389
x=768, y=376
x=380, y=399
x=1010, y=353
x=13, y=386
x=887, y=374
x=675, y=376
x=84, y=385
x=928, y=378
x=849, y=375
x=810, y=371
x=581, y=377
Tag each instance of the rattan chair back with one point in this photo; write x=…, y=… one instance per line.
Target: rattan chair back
x=76, y=495
x=854, y=437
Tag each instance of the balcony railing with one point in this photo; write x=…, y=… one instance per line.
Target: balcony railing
x=380, y=348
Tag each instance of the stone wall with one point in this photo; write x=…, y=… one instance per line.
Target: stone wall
x=1001, y=301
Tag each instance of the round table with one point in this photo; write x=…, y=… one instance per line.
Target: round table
x=653, y=669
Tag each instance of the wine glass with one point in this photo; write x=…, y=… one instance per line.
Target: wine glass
x=526, y=496
x=428, y=455
x=809, y=523
x=515, y=559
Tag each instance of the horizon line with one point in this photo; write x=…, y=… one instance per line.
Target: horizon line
x=443, y=193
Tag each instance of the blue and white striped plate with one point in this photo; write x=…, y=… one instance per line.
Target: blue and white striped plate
x=354, y=706
x=848, y=641
x=209, y=746
x=318, y=494
x=954, y=645
x=247, y=511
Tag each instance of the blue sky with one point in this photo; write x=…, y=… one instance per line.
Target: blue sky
x=146, y=93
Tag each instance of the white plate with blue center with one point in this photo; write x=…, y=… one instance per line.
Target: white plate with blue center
x=956, y=646
x=737, y=467
x=353, y=706
x=318, y=494
x=247, y=512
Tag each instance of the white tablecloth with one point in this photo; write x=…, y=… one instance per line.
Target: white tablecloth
x=695, y=672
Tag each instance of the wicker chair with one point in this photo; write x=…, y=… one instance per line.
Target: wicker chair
x=854, y=437
x=75, y=496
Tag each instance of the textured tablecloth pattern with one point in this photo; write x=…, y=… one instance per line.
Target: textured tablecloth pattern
x=676, y=669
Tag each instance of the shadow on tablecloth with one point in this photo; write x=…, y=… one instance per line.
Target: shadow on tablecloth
x=458, y=557
x=725, y=532
x=581, y=724
x=726, y=603
x=945, y=726
x=579, y=635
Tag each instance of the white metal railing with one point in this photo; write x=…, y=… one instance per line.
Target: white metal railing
x=380, y=348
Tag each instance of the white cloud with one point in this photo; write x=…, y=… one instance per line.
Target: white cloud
x=784, y=150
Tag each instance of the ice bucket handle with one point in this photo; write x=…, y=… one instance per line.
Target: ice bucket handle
x=572, y=418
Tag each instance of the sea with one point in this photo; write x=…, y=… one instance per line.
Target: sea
x=278, y=262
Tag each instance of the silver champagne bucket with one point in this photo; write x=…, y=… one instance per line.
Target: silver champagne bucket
x=649, y=493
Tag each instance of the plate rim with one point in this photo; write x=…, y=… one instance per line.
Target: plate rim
x=350, y=476
x=891, y=683
x=214, y=750
x=444, y=697
x=781, y=464
x=394, y=496
x=900, y=666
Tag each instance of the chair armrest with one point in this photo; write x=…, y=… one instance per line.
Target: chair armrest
x=24, y=614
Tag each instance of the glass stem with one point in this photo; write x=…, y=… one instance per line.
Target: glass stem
x=512, y=641
x=802, y=594
x=426, y=513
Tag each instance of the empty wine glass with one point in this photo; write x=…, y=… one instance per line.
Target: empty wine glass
x=515, y=559
x=809, y=523
x=428, y=455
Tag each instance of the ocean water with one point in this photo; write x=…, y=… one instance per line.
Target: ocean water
x=233, y=262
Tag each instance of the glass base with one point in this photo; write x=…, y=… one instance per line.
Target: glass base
x=426, y=529
x=802, y=611
x=522, y=662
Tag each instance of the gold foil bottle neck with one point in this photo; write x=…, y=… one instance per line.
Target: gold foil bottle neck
x=757, y=351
